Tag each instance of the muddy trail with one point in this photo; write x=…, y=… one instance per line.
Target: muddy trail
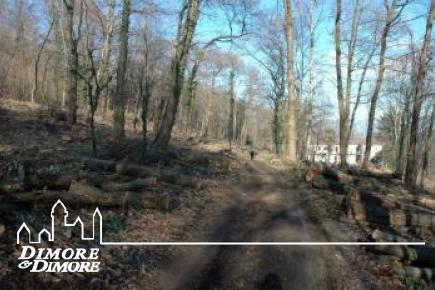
x=266, y=209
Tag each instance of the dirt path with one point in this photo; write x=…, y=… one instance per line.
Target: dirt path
x=267, y=208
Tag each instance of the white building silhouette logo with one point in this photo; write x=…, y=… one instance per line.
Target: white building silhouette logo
x=60, y=259
x=97, y=234
x=86, y=260
x=49, y=234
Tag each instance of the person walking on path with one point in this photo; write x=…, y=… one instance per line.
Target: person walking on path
x=251, y=150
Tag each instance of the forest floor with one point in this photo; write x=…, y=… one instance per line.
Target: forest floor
x=229, y=199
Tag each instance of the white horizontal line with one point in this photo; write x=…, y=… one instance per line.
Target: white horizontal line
x=261, y=243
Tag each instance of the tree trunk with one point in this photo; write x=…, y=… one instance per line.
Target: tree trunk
x=411, y=164
x=106, y=53
x=178, y=66
x=138, y=184
x=427, y=146
x=359, y=92
x=145, y=92
x=121, y=84
x=230, y=131
x=292, y=94
x=144, y=117
x=191, y=91
x=72, y=59
x=379, y=81
x=168, y=176
x=311, y=87
x=345, y=106
x=84, y=194
x=404, y=126
x=343, y=114
x=38, y=58
x=276, y=127
x=91, y=117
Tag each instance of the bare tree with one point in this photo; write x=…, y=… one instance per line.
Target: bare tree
x=192, y=84
x=38, y=58
x=146, y=83
x=93, y=74
x=187, y=26
x=343, y=104
x=313, y=24
x=404, y=124
x=232, y=96
x=411, y=171
x=391, y=17
x=291, y=88
x=345, y=94
x=271, y=57
x=106, y=52
x=71, y=41
x=360, y=91
x=427, y=146
x=121, y=84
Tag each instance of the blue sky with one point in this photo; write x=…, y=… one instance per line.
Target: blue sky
x=212, y=23
x=325, y=45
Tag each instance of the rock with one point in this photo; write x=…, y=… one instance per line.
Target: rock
x=11, y=187
x=383, y=236
x=386, y=259
x=66, y=138
x=46, y=153
x=386, y=210
x=417, y=255
x=427, y=274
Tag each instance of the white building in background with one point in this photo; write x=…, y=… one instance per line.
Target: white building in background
x=331, y=153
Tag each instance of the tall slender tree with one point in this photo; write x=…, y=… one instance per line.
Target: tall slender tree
x=427, y=146
x=37, y=59
x=403, y=138
x=186, y=30
x=411, y=171
x=71, y=42
x=342, y=107
x=106, y=52
x=232, y=104
x=345, y=91
x=121, y=84
x=391, y=16
x=291, y=88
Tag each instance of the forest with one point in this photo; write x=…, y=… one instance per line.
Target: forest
x=220, y=121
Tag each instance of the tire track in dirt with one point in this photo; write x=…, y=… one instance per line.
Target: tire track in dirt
x=267, y=210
